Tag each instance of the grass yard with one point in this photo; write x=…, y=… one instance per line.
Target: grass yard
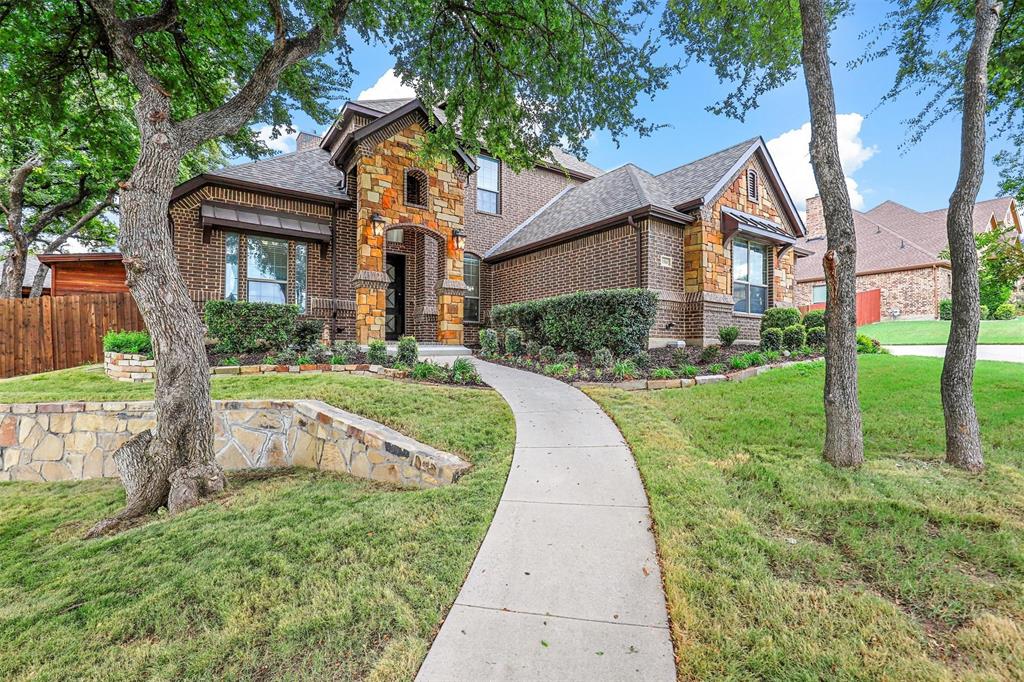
x=778, y=566
x=929, y=332
x=294, y=574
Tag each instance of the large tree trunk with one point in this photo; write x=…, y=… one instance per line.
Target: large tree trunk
x=13, y=272
x=844, y=442
x=177, y=466
x=963, y=437
x=39, y=280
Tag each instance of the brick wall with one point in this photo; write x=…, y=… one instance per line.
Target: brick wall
x=914, y=293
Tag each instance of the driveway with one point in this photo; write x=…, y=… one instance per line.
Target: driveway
x=566, y=585
x=1002, y=353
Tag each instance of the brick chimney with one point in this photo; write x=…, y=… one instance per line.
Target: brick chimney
x=306, y=141
x=815, y=220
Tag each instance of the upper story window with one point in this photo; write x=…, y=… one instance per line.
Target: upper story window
x=267, y=261
x=417, y=187
x=488, y=184
x=753, y=191
x=749, y=276
x=471, y=299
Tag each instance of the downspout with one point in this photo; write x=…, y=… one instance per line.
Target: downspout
x=334, y=271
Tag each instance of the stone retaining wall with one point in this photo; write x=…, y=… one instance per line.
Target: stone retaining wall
x=129, y=366
x=76, y=440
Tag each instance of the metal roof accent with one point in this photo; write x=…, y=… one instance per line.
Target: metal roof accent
x=268, y=222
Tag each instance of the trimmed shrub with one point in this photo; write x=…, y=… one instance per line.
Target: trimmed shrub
x=377, y=352
x=771, y=339
x=514, y=341
x=243, y=327
x=408, y=351
x=642, y=360
x=710, y=353
x=780, y=318
x=489, y=342
x=728, y=335
x=814, y=319
x=663, y=373
x=625, y=370
x=946, y=309
x=816, y=336
x=984, y=311
x=1004, y=312
x=307, y=333
x=532, y=349
x=866, y=344
x=603, y=358
x=547, y=355
x=617, y=319
x=128, y=342
x=794, y=337
x=568, y=358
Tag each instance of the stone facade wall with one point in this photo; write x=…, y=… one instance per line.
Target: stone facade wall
x=77, y=440
x=915, y=294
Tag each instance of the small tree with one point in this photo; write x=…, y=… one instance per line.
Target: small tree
x=760, y=44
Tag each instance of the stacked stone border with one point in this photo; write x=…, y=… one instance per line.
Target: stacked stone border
x=658, y=384
x=137, y=369
x=77, y=440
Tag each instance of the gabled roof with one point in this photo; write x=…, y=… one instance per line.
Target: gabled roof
x=892, y=237
x=628, y=191
x=305, y=174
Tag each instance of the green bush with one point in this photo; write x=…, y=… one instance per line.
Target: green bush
x=320, y=353
x=128, y=342
x=408, y=351
x=983, y=309
x=728, y=335
x=663, y=373
x=304, y=360
x=377, y=352
x=428, y=371
x=547, y=355
x=771, y=339
x=514, y=341
x=489, y=343
x=739, y=362
x=343, y=352
x=603, y=358
x=710, y=353
x=243, y=327
x=772, y=356
x=642, y=360
x=625, y=370
x=814, y=319
x=689, y=371
x=568, y=358
x=1005, y=311
x=555, y=369
x=780, y=318
x=617, y=319
x=866, y=344
x=717, y=368
x=756, y=359
x=794, y=336
x=307, y=333
x=463, y=372
x=229, y=362
x=284, y=357
x=816, y=336
x=945, y=309
x=532, y=349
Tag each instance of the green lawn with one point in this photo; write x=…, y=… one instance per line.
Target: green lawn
x=778, y=566
x=926, y=332
x=294, y=575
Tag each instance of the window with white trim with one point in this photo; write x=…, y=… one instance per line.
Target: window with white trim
x=819, y=293
x=231, y=266
x=749, y=276
x=301, y=270
x=471, y=299
x=267, y=261
x=488, y=185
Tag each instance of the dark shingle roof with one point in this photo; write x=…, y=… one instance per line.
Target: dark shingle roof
x=696, y=179
x=384, y=106
x=307, y=171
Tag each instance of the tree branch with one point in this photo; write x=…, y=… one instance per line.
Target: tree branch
x=121, y=35
x=160, y=20
x=16, y=198
x=59, y=209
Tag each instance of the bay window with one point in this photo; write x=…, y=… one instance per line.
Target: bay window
x=749, y=276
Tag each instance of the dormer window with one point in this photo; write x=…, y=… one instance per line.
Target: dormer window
x=752, y=189
x=416, y=187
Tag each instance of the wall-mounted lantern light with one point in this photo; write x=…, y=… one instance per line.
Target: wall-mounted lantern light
x=377, y=222
x=459, y=239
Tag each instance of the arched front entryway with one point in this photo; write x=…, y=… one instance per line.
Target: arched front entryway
x=414, y=259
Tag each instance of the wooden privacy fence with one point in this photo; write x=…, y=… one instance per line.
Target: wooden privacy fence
x=869, y=307
x=47, y=333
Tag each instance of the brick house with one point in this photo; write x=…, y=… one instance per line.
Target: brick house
x=354, y=229
x=898, y=252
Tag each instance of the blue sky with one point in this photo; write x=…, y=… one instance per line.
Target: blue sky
x=920, y=176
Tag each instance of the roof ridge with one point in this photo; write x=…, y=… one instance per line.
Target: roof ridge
x=901, y=236
x=708, y=156
x=641, y=191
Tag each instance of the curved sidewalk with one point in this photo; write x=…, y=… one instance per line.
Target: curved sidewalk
x=566, y=585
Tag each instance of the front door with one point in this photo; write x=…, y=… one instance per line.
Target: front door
x=394, y=315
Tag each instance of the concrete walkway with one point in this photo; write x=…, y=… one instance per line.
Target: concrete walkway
x=566, y=585
x=987, y=352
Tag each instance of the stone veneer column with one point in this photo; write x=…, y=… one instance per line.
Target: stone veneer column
x=371, y=281
x=450, y=297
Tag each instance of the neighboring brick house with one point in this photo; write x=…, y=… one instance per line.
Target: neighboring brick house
x=898, y=252
x=356, y=231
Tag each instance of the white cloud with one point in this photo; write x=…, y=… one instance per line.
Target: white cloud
x=388, y=86
x=285, y=142
x=790, y=150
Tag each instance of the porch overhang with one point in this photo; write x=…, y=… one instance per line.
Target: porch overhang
x=262, y=221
